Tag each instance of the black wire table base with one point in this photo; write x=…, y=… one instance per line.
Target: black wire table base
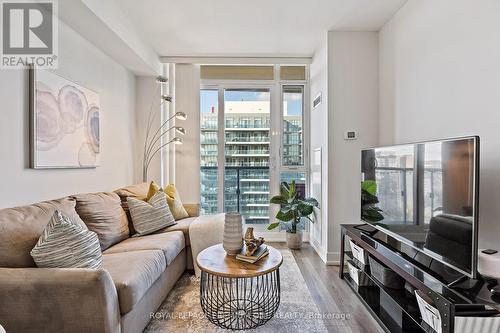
x=239, y=303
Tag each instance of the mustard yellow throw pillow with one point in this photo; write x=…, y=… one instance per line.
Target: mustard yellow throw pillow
x=175, y=202
x=173, y=199
x=153, y=189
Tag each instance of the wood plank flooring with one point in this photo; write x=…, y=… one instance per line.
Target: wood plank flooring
x=332, y=295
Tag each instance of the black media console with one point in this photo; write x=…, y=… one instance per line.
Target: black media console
x=397, y=310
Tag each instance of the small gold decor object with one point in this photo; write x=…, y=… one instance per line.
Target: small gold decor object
x=252, y=243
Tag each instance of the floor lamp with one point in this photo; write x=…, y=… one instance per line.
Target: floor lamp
x=152, y=143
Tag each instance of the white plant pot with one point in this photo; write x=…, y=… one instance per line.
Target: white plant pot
x=294, y=240
x=232, y=241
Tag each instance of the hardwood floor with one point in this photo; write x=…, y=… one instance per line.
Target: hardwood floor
x=332, y=295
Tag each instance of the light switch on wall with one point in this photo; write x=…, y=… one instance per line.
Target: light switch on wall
x=350, y=135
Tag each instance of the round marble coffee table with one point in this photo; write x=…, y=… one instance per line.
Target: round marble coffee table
x=237, y=295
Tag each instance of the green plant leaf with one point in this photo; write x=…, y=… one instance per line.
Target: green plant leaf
x=293, y=190
x=273, y=226
x=369, y=186
x=285, y=190
x=278, y=200
x=292, y=208
x=282, y=216
x=305, y=209
x=311, y=202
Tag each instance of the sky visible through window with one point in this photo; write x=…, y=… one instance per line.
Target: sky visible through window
x=208, y=99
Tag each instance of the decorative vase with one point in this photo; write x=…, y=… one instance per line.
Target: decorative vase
x=232, y=241
x=294, y=240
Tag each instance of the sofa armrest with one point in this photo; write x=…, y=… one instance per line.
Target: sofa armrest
x=58, y=300
x=193, y=210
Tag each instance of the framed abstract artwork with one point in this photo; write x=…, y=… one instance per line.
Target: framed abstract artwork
x=64, y=122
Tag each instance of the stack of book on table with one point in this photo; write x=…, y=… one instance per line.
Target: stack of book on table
x=260, y=253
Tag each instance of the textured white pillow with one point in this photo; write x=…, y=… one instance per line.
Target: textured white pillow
x=65, y=244
x=150, y=216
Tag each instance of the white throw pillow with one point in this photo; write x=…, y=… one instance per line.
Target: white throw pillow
x=66, y=244
x=150, y=216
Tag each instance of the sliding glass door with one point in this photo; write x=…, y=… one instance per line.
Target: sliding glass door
x=251, y=140
x=247, y=153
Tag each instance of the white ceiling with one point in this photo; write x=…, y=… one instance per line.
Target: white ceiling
x=250, y=28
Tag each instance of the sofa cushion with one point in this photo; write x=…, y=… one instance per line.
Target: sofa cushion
x=175, y=202
x=103, y=214
x=138, y=191
x=21, y=227
x=150, y=216
x=171, y=243
x=193, y=209
x=66, y=244
x=133, y=273
x=153, y=189
x=173, y=198
x=182, y=225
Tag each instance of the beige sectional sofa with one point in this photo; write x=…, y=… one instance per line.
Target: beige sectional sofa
x=137, y=272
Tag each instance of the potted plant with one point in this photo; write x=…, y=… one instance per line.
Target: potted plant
x=292, y=209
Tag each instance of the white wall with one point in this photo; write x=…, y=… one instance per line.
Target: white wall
x=353, y=105
x=345, y=69
x=81, y=62
x=148, y=104
x=441, y=65
x=187, y=156
x=104, y=23
x=319, y=139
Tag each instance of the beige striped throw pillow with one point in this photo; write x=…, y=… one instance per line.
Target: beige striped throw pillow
x=150, y=216
x=66, y=244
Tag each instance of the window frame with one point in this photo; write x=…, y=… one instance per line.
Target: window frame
x=305, y=128
x=276, y=116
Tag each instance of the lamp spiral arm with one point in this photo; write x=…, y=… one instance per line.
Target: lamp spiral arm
x=150, y=141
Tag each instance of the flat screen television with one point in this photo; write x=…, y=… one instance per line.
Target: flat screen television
x=426, y=195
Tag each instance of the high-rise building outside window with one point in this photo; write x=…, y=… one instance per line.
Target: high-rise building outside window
x=208, y=151
x=292, y=139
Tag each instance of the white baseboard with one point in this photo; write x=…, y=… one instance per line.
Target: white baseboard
x=319, y=250
x=329, y=258
x=333, y=258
